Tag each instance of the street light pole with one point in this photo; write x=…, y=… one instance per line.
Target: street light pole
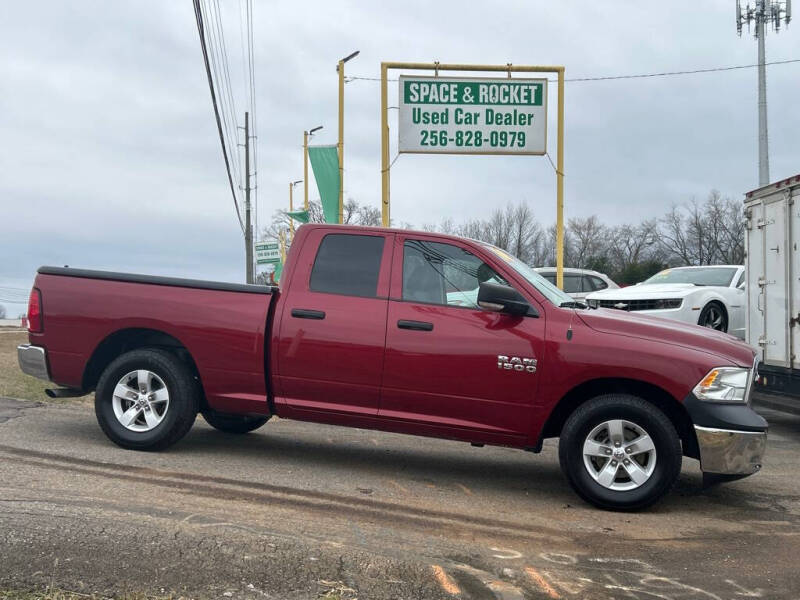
x=291, y=205
x=305, y=170
x=340, y=70
x=306, y=135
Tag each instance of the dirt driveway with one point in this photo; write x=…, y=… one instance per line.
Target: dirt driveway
x=305, y=511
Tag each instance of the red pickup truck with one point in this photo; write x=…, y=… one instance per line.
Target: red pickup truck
x=403, y=331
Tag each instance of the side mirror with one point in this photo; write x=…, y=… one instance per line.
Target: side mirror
x=505, y=299
x=741, y=285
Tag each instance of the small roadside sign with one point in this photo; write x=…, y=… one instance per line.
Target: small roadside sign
x=267, y=253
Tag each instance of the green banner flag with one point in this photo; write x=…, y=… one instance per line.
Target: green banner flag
x=325, y=162
x=299, y=215
x=276, y=276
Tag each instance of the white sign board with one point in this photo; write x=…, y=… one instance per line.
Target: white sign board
x=268, y=253
x=457, y=115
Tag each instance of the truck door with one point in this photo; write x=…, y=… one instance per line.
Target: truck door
x=332, y=328
x=441, y=363
x=794, y=275
x=754, y=269
x=775, y=302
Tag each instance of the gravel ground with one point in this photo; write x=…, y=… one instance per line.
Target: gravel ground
x=297, y=510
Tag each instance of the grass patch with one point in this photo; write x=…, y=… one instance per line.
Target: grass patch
x=13, y=382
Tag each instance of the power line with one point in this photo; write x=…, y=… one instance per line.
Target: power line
x=219, y=66
x=201, y=32
x=635, y=76
x=252, y=90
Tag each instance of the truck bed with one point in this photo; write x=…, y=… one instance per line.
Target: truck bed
x=90, y=315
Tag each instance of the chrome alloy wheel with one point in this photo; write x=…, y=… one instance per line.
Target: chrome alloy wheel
x=140, y=400
x=619, y=455
x=714, y=319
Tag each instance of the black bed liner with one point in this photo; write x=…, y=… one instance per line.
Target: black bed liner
x=156, y=280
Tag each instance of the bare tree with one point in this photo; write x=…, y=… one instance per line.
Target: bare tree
x=630, y=244
x=589, y=241
x=725, y=224
x=704, y=234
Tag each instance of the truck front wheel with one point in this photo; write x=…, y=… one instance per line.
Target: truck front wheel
x=620, y=452
x=146, y=400
x=233, y=423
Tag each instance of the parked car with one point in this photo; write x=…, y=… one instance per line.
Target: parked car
x=711, y=296
x=578, y=283
x=362, y=333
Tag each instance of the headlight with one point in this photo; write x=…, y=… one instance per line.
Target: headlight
x=669, y=303
x=724, y=384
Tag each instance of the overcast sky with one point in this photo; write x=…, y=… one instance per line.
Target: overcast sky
x=110, y=157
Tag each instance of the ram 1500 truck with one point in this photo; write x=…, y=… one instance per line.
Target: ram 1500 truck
x=410, y=332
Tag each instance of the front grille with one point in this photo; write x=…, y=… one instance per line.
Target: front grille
x=633, y=305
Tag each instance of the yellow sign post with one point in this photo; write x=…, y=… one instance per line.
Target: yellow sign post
x=505, y=142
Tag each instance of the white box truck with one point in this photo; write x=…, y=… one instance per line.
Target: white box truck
x=772, y=263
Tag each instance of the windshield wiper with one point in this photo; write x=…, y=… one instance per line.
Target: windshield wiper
x=573, y=304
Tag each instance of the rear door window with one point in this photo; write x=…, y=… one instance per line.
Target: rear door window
x=592, y=283
x=572, y=284
x=348, y=264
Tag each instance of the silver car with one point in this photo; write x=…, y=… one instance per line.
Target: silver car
x=579, y=282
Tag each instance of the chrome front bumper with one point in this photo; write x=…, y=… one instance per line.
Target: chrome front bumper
x=728, y=452
x=33, y=361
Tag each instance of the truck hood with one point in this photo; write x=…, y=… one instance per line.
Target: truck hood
x=647, y=292
x=616, y=322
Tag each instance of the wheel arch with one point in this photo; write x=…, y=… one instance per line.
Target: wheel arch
x=719, y=301
x=134, y=338
x=649, y=392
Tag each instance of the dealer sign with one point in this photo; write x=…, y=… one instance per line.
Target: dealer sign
x=453, y=115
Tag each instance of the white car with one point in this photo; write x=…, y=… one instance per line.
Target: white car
x=711, y=296
x=578, y=283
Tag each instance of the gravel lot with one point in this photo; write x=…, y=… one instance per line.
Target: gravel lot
x=297, y=510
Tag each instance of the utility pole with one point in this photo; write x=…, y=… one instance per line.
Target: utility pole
x=340, y=70
x=763, y=12
x=248, y=228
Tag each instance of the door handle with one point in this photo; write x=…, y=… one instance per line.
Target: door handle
x=307, y=313
x=415, y=325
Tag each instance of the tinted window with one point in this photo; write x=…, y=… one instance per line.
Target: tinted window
x=572, y=284
x=551, y=277
x=348, y=264
x=595, y=283
x=439, y=273
x=740, y=281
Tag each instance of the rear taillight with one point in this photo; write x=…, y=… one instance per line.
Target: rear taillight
x=35, y=311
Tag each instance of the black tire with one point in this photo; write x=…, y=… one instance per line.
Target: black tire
x=233, y=423
x=587, y=417
x=714, y=316
x=178, y=416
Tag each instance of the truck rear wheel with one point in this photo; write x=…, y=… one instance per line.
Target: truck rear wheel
x=146, y=400
x=620, y=452
x=233, y=423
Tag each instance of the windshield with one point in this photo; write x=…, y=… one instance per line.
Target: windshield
x=720, y=276
x=547, y=289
